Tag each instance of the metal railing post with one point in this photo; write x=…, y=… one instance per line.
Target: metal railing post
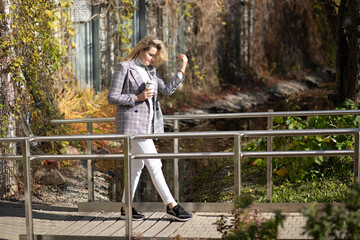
x=269, y=180
x=357, y=157
x=90, y=173
x=176, y=163
x=27, y=191
x=127, y=183
x=237, y=164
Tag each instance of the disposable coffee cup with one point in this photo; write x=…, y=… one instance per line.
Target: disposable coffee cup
x=149, y=85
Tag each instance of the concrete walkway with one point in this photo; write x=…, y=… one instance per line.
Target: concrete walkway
x=55, y=222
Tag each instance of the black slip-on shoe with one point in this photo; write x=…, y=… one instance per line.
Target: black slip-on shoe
x=178, y=213
x=136, y=216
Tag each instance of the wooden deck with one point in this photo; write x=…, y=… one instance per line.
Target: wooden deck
x=92, y=221
x=108, y=225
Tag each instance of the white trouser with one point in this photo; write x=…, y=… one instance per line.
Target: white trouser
x=154, y=168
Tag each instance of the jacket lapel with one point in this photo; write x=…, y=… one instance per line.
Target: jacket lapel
x=135, y=74
x=139, y=80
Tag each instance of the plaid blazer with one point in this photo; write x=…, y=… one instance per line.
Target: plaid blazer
x=133, y=117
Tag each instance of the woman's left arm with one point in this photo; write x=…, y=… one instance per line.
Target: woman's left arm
x=169, y=88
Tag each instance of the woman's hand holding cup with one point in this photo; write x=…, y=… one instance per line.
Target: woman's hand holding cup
x=146, y=94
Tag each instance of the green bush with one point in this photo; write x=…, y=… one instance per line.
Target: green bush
x=301, y=179
x=249, y=225
x=335, y=222
x=319, y=190
x=296, y=169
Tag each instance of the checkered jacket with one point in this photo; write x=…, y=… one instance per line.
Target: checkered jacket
x=133, y=117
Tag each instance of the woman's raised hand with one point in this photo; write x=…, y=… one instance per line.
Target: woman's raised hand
x=184, y=61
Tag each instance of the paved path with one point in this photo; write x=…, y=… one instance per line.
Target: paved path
x=67, y=221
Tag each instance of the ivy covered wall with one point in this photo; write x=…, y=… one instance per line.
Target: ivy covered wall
x=31, y=61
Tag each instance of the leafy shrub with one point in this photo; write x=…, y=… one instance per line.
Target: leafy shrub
x=317, y=190
x=249, y=225
x=208, y=190
x=298, y=168
x=336, y=222
x=301, y=179
x=79, y=103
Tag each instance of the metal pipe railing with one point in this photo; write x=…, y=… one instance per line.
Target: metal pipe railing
x=223, y=116
x=27, y=189
x=127, y=183
x=357, y=156
x=237, y=135
x=90, y=173
x=176, y=118
x=263, y=114
x=176, y=163
x=269, y=147
x=237, y=154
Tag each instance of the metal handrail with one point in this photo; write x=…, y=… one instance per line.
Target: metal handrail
x=221, y=116
x=237, y=155
x=177, y=118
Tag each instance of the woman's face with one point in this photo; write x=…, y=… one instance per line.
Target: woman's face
x=148, y=56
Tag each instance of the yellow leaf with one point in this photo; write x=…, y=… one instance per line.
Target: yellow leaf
x=258, y=162
x=72, y=32
x=48, y=13
x=281, y=172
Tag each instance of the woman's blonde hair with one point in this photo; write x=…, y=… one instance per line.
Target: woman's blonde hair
x=145, y=44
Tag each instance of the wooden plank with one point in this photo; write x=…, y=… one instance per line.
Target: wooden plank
x=85, y=229
x=111, y=219
x=111, y=225
x=222, y=208
x=68, y=237
x=63, y=225
x=121, y=232
x=77, y=225
x=147, y=224
x=48, y=222
x=155, y=225
x=112, y=228
x=170, y=229
x=106, y=228
x=155, y=206
x=158, y=227
x=202, y=226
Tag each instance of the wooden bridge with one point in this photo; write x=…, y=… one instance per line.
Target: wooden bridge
x=99, y=221
x=79, y=225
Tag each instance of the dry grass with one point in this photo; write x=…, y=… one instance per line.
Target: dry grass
x=78, y=103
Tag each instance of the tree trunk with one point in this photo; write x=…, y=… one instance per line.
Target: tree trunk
x=342, y=56
x=346, y=32
x=8, y=183
x=354, y=56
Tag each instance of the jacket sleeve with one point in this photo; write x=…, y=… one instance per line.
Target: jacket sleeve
x=119, y=93
x=170, y=87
